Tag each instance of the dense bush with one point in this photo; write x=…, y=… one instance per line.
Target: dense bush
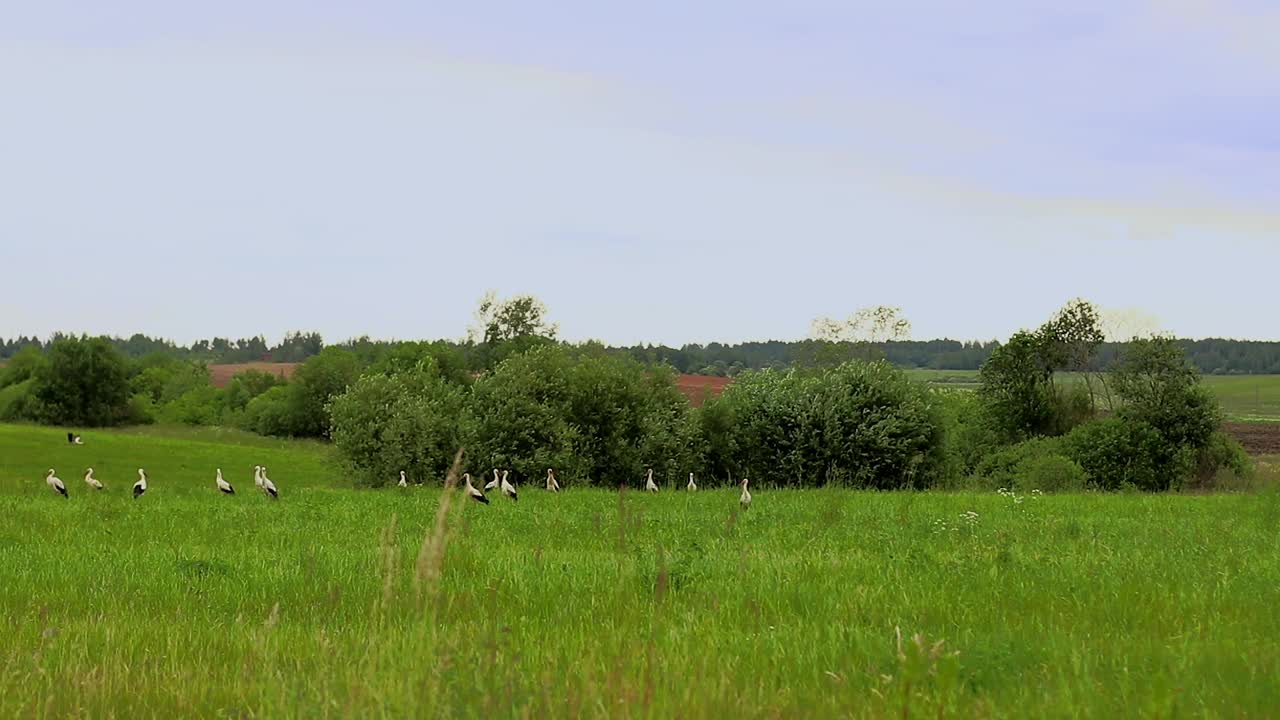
x=450, y=362
x=201, y=405
x=18, y=402
x=1159, y=387
x=22, y=367
x=244, y=387
x=1115, y=452
x=83, y=381
x=409, y=420
x=1036, y=464
x=314, y=384
x=268, y=414
x=597, y=420
x=858, y=424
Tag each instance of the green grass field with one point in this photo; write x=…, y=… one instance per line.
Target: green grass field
x=1243, y=397
x=335, y=602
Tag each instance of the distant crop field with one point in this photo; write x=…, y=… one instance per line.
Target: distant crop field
x=1244, y=397
x=220, y=375
x=592, y=603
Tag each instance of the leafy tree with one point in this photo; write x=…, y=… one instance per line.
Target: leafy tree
x=408, y=420
x=1017, y=382
x=269, y=413
x=869, y=329
x=597, y=420
x=84, y=382
x=314, y=384
x=247, y=385
x=1115, y=453
x=520, y=316
x=858, y=424
x=23, y=366
x=448, y=360
x=1159, y=387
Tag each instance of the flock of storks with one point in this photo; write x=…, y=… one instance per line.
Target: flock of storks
x=500, y=482
x=264, y=483
x=140, y=487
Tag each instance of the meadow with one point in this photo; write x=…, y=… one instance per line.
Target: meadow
x=336, y=602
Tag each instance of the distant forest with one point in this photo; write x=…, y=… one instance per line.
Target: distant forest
x=1211, y=356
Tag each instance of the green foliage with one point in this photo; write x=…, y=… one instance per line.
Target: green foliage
x=968, y=437
x=165, y=380
x=597, y=420
x=858, y=424
x=1036, y=464
x=18, y=402
x=314, y=384
x=201, y=405
x=1017, y=389
x=1221, y=454
x=1115, y=453
x=449, y=361
x=84, y=382
x=247, y=385
x=23, y=366
x=269, y=413
x=1160, y=388
x=1017, y=381
x=408, y=420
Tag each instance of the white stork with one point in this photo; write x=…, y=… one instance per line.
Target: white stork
x=492, y=483
x=552, y=484
x=692, y=485
x=267, y=486
x=140, y=486
x=649, y=484
x=403, y=482
x=507, y=488
x=91, y=481
x=257, y=477
x=56, y=484
x=471, y=490
x=745, y=498
x=223, y=485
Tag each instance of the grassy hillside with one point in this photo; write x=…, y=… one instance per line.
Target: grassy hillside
x=590, y=603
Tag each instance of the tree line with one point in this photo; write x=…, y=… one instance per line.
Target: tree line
x=600, y=417
x=1209, y=356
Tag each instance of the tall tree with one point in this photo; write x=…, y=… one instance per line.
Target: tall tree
x=84, y=381
x=869, y=328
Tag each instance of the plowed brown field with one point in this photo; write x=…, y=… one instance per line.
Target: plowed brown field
x=220, y=375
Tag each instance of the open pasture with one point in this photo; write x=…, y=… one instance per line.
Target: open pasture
x=593, y=603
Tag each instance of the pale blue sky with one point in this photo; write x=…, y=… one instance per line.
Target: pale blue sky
x=661, y=171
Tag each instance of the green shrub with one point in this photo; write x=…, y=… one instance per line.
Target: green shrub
x=197, y=406
x=596, y=419
x=1049, y=473
x=1002, y=466
x=1116, y=452
x=18, y=402
x=245, y=386
x=142, y=411
x=23, y=366
x=84, y=382
x=315, y=383
x=268, y=414
x=968, y=437
x=858, y=424
x=1222, y=461
x=406, y=421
